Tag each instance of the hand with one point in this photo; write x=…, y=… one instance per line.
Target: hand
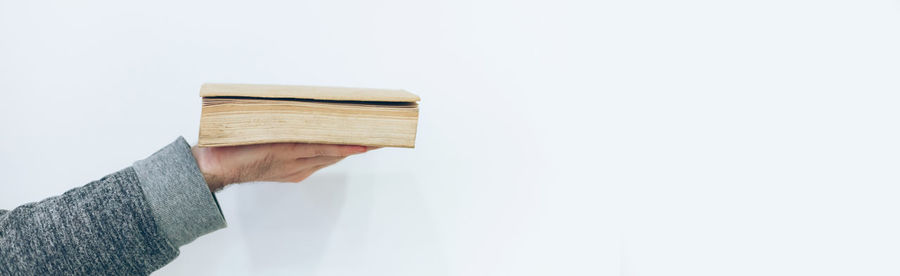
x=279, y=162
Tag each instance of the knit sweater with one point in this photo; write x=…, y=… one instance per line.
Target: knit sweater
x=130, y=222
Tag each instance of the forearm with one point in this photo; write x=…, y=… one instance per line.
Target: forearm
x=105, y=227
x=129, y=222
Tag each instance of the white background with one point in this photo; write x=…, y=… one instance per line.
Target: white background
x=555, y=137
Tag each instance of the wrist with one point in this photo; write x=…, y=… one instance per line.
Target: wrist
x=209, y=168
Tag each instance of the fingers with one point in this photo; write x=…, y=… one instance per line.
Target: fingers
x=305, y=163
x=313, y=150
x=294, y=162
x=302, y=175
x=308, y=166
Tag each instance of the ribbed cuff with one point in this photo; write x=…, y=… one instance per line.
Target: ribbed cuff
x=180, y=200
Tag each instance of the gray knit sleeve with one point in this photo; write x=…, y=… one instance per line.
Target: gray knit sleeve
x=130, y=222
x=102, y=228
x=178, y=195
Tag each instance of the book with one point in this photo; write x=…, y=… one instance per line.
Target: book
x=243, y=114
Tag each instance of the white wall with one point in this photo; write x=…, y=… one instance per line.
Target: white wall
x=556, y=137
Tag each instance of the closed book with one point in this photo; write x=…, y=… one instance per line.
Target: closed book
x=243, y=114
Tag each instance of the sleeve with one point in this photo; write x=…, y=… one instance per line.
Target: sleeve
x=130, y=222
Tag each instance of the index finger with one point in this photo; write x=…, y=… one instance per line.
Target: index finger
x=313, y=150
